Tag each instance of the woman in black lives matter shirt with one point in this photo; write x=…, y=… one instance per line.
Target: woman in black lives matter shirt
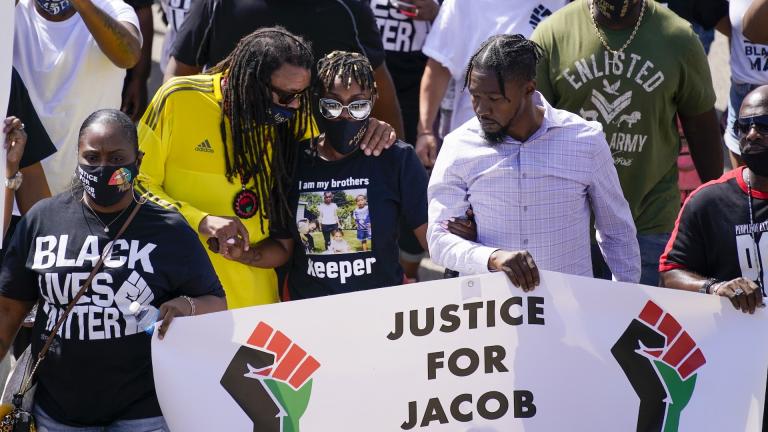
x=368, y=195
x=98, y=372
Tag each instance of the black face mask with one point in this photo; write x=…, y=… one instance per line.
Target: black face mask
x=279, y=114
x=106, y=185
x=757, y=162
x=344, y=135
x=615, y=9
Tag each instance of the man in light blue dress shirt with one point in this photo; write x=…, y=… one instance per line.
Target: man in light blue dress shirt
x=532, y=174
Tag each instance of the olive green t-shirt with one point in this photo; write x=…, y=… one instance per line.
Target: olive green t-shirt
x=635, y=96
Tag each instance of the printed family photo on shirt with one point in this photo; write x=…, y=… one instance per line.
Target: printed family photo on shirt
x=332, y=222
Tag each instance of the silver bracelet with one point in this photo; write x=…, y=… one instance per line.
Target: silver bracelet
x=191, y=304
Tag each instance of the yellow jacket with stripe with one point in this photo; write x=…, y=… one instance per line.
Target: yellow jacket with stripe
x=184, y=168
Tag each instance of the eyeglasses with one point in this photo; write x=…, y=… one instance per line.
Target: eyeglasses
x=742, y=125
x=358, y=110
x=286, y=97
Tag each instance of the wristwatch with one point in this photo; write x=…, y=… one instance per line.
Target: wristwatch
x=14, y=183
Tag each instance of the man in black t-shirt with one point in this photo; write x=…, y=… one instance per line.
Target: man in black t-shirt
x=404, y=27
x=213, y=27
x=718, y=241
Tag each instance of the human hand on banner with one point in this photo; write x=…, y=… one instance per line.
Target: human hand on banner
x=659, y=359
x=175, y=307
x=270, y=379
x=744, y=294
x=518, y=266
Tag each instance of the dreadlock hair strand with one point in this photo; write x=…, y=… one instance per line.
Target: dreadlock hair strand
x=508, y=56
x=259, y=150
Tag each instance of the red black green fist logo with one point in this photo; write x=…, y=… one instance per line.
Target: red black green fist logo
x=270, y=379
x=660, y=359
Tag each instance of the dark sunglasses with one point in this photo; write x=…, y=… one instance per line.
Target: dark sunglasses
x=742, y=126
x=286, y=97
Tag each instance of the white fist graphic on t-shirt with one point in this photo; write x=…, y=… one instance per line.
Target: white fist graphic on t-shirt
x=134, y=289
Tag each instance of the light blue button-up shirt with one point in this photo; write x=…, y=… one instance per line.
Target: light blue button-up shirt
x=534, y=195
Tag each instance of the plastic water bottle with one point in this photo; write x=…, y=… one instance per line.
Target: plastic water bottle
x=146, y=316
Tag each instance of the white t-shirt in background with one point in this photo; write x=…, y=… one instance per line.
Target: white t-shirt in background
x=462, y=26
x=68, y=78
x=749, y=61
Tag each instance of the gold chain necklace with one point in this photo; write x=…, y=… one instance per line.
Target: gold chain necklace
x=600, y=34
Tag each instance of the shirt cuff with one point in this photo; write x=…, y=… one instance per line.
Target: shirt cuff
x=478, y=259
x=194, y=217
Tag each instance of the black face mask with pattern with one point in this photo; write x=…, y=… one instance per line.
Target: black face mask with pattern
x=344, y=135
x=106, y=185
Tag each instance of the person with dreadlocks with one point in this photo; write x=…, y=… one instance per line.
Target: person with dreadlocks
x=531, y=174
x=393, y=186
x=221, y=148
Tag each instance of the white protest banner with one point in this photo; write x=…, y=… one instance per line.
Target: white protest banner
x=470, y=354
x=6, y=62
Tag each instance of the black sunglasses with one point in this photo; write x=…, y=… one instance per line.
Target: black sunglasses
x=286, y=97
x=742, y=125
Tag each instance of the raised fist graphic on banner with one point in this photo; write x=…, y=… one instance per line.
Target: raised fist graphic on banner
x=659, y=358
x=270, y=379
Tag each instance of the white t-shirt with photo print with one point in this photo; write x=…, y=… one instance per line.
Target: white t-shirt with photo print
x=462, y=26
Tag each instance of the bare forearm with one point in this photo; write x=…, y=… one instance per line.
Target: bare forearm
x=421, y=235
x=33, y=188
x=268, y=253
x=12, y=313
x=387, y=107
x=143, y=68
x=434, y=83
x=176, y=68
x=7, y=209
x=702, y=132
x=118, y=41
x=753, y=24
x=682, y=280
x=724, y=26
x=10, y=170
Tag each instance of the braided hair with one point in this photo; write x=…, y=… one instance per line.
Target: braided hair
x=268, y=154
x=347, y=66
x=509, y=56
